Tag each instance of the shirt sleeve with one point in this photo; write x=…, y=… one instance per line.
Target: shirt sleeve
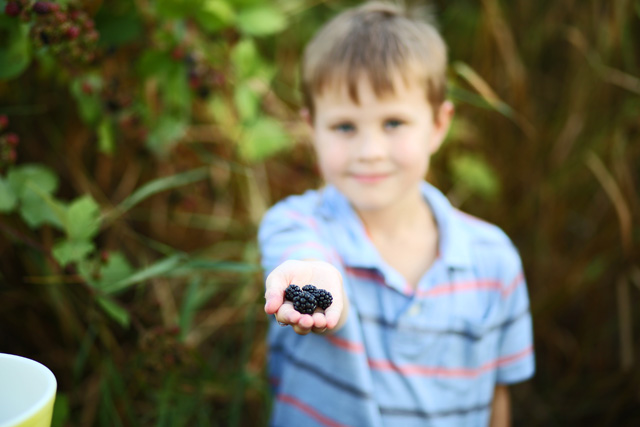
x=515, y=353
x=289, y=231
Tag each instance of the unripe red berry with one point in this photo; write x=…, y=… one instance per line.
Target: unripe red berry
x=41, y=7
x=12, y=156
x=177, y=54
x=12, y=8
x=12, y=139
x=73, y=32
x=92, y=36
x=60, y=16
x=4, y=121
x=104, y=256
x=86, y=88
x=194, y=82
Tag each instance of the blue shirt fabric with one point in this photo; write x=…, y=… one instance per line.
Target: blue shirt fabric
x=425, y=357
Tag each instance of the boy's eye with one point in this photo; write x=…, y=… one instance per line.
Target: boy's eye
x=392, y=124
x=344, y=127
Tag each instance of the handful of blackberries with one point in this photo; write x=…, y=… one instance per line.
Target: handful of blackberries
x=306, y=300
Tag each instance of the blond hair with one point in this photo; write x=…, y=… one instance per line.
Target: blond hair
x=375, y=41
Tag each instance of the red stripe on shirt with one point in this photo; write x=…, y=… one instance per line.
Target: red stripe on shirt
x=386, y=365
x=285, y=398
x=354, y=347
x=444, y=289
x=311, y=222
x=364, y=273
x=470, y=285
x=513, y=285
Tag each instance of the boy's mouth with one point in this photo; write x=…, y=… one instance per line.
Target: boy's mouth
x=369, y=178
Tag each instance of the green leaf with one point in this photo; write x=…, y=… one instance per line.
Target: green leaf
x=106, y=141
x=245, y=59
x=174, y=9
x=201, y=264
x=89, y=104
x=162, y=184
x=262, y=20
x=263, y=138
x=118, y=25
x=33, y=184
x=215, y=15
x=153, y=62
x=8, y=198
x=175, y=89
x=115, y=311
x=40, y=208
x=222, y=113
x=167, y=132
x=247, y=102
x=83, y=219
x=159, y=268
x=68, y=251
x=37, y=175
x=15, y=49
x=473, y=174
x=116, y=268
x=189, y=306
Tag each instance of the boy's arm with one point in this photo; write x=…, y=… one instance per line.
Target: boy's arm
x=501, y=407
x=320, y=273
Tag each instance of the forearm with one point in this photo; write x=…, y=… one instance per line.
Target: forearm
x=501, y=407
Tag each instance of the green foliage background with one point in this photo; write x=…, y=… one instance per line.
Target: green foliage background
x=128, y=261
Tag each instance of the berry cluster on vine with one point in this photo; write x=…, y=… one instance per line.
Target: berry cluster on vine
x=8, y=144
x=68, y=32
x=203, y=78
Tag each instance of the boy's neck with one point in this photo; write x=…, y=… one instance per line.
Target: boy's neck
x=398, y=220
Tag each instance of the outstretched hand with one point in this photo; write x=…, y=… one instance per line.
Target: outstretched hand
x=318, y=273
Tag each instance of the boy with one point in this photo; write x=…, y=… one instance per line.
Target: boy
x=430, y=316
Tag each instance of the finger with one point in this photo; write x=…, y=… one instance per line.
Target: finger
x=319, y=320
x=306, y=321
x=304, y=325
x=318, y=330
x=332, y=315
x=286, y=314
x=300, y=330
x=274, y=293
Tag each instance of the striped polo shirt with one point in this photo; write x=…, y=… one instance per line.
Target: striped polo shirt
x=425, y=357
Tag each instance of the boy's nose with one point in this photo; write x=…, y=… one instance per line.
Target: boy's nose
x=371, y=146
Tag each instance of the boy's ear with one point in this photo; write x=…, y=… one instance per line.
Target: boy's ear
x=306, y=116
x=441, y=126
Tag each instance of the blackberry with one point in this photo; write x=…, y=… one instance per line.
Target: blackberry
x=12, y=8
x=323, y=298
x=304, y=303
x=291, y=291
x=41, y=7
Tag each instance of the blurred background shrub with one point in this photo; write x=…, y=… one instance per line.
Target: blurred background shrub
x=141, y=141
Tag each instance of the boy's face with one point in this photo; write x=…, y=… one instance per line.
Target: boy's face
x=377, y=152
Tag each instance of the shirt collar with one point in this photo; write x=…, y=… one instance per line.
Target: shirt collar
x=454, y=245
